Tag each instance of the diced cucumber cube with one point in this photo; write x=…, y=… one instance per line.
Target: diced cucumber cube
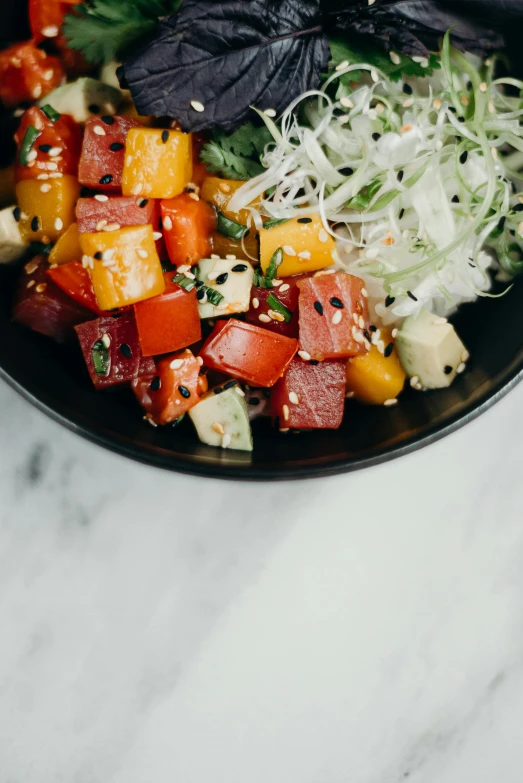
x=12, y=246
x=222, y=419
x=82, y=97
x=235, y=288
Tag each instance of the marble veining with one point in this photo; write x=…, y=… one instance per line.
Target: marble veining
x=157, y=628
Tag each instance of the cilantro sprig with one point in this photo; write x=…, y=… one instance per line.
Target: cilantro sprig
x=236, y=155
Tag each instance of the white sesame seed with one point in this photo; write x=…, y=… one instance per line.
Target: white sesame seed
x=30, y=284
x=395, y=58
x=293, y=397
x=381, y=346
x=197, y=106
x=336, y=318
x=40, y=288
x=190, y=276
x=55, y=151
x=286, y=412
x=389, y=403
x=86, y=262
x=194, y=196
x=264, y=318
x=322, y=235
x=270, y=112
x=108, y=255
x=37, y=91
x=199, y=360
x=226, y=440
x=304, y=254
x=239, y=391
x=30, y=164
x=106, y=340
x=59, y=223
x=99, y=131
x=149, y=418
x=364, y=292
x=51, y=31
x=112, y=227
x=304, y=355
x=48, y=74
x=394, y=333
x=255, y=303
x=288, y=250
x=408, y=103
x=184, y=268
x=277, y=283
x=374, y=76
x=43, y=176
x=414, y=381
x=230, y=257
x=157, y=235
x=461, y=367
x=437, y=104
x=32, y=155
x=346, y=103
x=101, y=197
x=275, y=316
x=55, y=174
x=341, y=66
x=214, y=256
x=284, y=287
x=142, y=253
x=45, y=188
x=217, y=427
x=51, y=166
x=483, y=87
x=491, y=107
x=211, y=275
x=355, y=318
x=167, y=223
x=361, y=322
x=439, y=321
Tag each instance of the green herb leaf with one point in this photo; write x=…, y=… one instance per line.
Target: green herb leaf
x=26, y=146
x=236, y=155
x=50, y=113
x=101, y=361
x=213, y=296
x=260, y=281
x=105, y=30
x=275, y=304
x=273, y=222
x=355, y=50
x=274, y=263
x=185, y=282
x=229, y=228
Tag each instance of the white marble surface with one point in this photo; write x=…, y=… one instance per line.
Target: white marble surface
x=156, y=628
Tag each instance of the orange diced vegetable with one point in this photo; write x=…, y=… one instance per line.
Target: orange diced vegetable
x=67, y=247
x=47, y=207
x=158, y=163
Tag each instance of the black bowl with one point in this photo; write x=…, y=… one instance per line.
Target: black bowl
x=55, y=380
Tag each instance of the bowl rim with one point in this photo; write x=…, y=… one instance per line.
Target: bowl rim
x=128, y=449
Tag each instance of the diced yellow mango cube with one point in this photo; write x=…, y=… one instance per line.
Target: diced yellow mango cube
x=374, y=377
x=125, y=267
x=158, y=163
x=306, y=246
x=48, y=208
x=67, y=248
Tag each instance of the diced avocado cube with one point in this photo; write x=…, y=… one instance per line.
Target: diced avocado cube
x=430, y=349
x=12, y=246
x=232, y=279
x=221, y=418
x=84, y=99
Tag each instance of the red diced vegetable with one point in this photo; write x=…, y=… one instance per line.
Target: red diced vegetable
x=187, y=227
x=57, y=145
x=247, y=352
x=121, y=210
x=169, y=321
x=27, y=73
x=286, y=295
x=334, y=316
x=174, y=387
x=103, y=152
x=76, y=282
x=111, y=350
x=310, y=395
x=44, y=307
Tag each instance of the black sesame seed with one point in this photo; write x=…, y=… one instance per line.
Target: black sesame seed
x=116, y=146
x=199, y=283
x=407, y=89
x=447, y=369
x=229, y=384
x=106, y=179
x=108, y=119
x=98, y=255
x=239, y=268
x=388, y=350
x=254, y=400
x=35, y=223
x=461, y=118
x=347, y=171
x=373, y=328
x=126, y=350
x=94, y=108
x=143, y=203
x=335, y=302
x=400, y=175
x=463, y=157
x=165, y=136
x=44, y=147
x=518, y=208
x=305, y=220
x=247, y=233
x=455, y=200
x=218, y=390
x=472, y=265
x=156, y=383
x=318, y=307
x=200, y=294
x=452, y=109
x=221, y=279
x=411, y=296
x=402, y=212
x=17, y=213
x=367, y=335
x=501, y=224
x=314, y=362
x=469, y=86
x=389, y=301
x=184, y=391
x=376, y=136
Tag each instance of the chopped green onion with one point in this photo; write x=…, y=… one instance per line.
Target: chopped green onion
x=275, y=304
x=37, y=248
x=229, y=228
x=184, y=282
x=100, y=355
x=273, y=222
x=274, y=263
x=260, y=281
x=29, y=139
x=213, y=296
x=50, y=113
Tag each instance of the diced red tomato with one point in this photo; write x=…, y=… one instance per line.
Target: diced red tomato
x=46, y=17
x=247, y=352
x=169, y=321
x=119, y=337
x=27, y=73
x=311, y=395
x=43, y=307
x=187, y=227
x=103, y=152
x=121, y=210
x=174, y=387
x=75, y=281
x=64, y=135
x=287, y=293
x=334, y=316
